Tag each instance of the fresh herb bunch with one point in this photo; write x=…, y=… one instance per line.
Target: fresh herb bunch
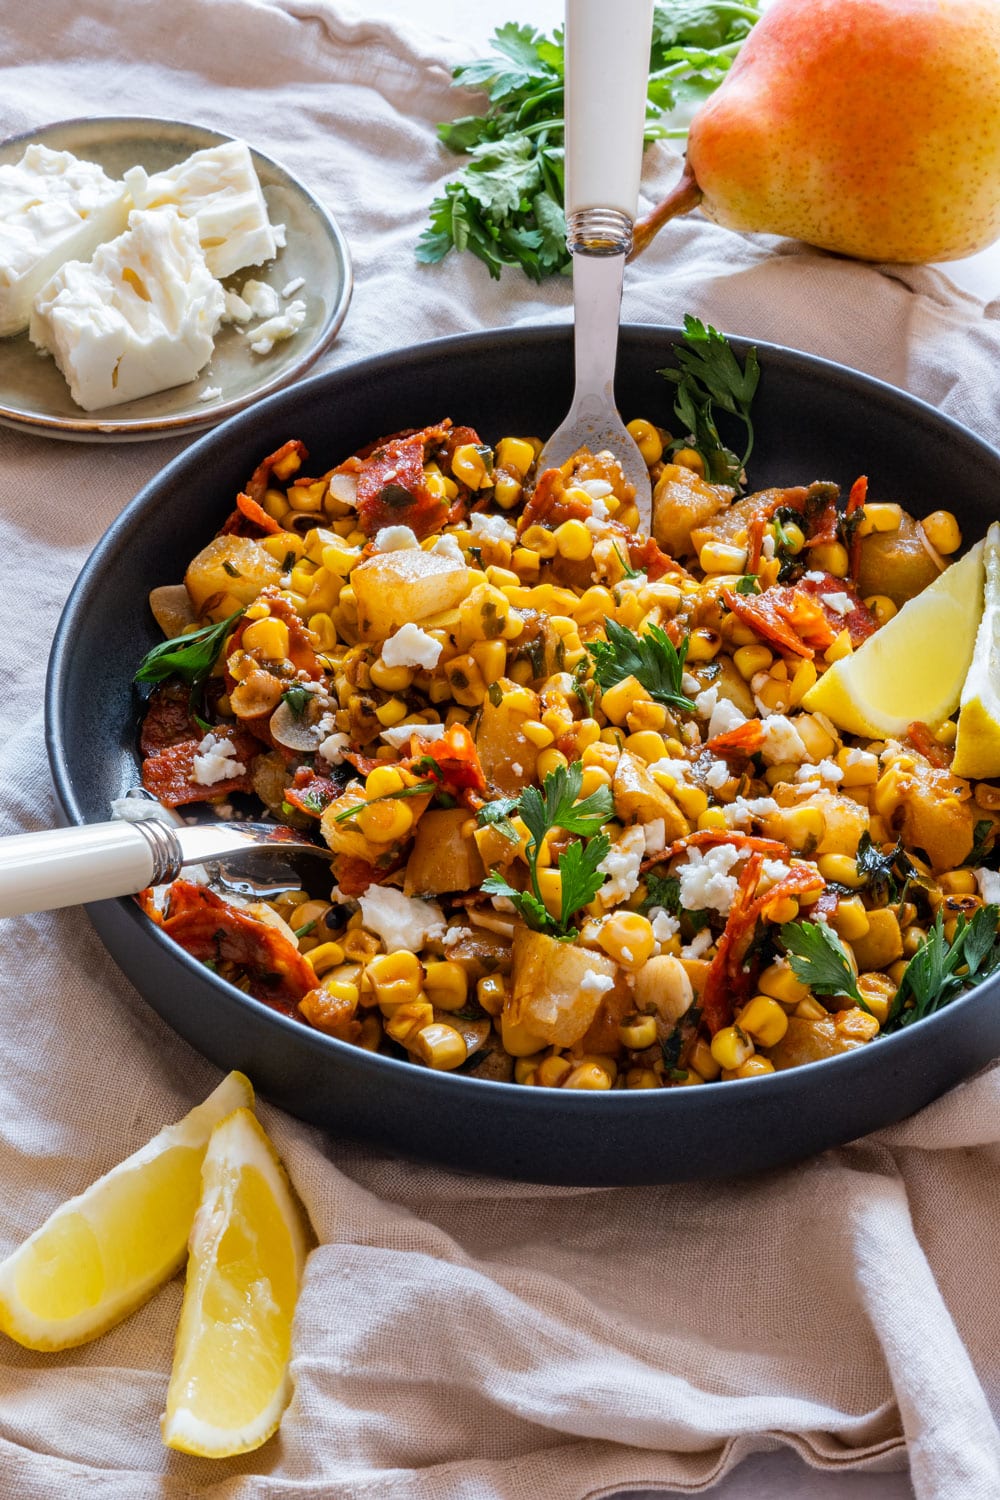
x=651, y=658
x=939, y=971
x=556, y=806
x=190, y=657
x=506, y=204
x=710, y=377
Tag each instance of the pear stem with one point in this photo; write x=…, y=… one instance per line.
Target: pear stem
x=682, y=198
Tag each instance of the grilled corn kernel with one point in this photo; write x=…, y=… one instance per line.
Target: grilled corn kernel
x=324, y=630
x=540, y=540
x=519, y=1040
x=754, y=1067
x=842, y=869
x=803, y=678
x=550, y=760
x=831, y=557
x=550, y=890
x=385, y=822
x=468, y=465
x=267, y=638
x=882, y=607
x=810, y=1009
x=764, y=1020
x=690, y=458
x=878, y=992
x=703, y=644
x=942, y=531
x=779, y=981
x=712, y=817
x=491, y=992
x=646, y=715
x=647, y=440
x=637, y=1032
x=407, y=1020
x=794, y=538
x=439, y=1046
x=859, y=767
x=702, y=1060
x=552, y=1071
x=749, y=660
x=382, y=781
x=958, y=883
x=731, y=1047
x=468, y=687
x=394, y=978
x=506, y=489
x=393, y=711
x=619, y=700
x=628, y=938
x=525, y=1068
x=881, y=516
x=802, y=828
x=592, y=779
x=850, y=919
x=574, y=541
x=391, y=679
x=841, y=647
x=641, y=1078
x=491, y=658
x=722, y=557
x=946, y=733
x=647, y=744
x=326, y=956
x=587, y=1076
x=446, y=985
x=515, y=454
x=775, y=695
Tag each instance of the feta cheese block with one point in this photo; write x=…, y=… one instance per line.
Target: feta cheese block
x=53, y=208
x=219, y=189
x=140, y=317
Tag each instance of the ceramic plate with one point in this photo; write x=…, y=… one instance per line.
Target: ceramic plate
x=34, y=396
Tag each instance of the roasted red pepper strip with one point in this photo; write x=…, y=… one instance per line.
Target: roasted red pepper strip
x=392, y=490
x=249, y=519
x=169, y=773
x=787, y=617
x=354, y=875
x=704, y=838
x=858, y=620
x=456, y=757
x=549, y=504
x=310, y=793
x=856, y=499
x=921, y=737
x=745, y=739
x=260, y=479
x=211, y=929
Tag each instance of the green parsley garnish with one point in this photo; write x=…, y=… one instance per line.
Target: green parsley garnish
x=190, y=657
x=930, y=980
x=496, y=814
x=506, y=204
x=983, y=844
x=747, y=584
x=652, y=658
x=819, y=959
x=297, y=697
x=886, y=875
x=710, y=378
x=418, y=789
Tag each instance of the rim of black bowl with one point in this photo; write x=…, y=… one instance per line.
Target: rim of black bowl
x=853, y=1067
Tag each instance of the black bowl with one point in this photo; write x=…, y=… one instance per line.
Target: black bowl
x=813, y=420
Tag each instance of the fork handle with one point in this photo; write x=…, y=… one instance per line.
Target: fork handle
x=67, y=866
x=607, y=74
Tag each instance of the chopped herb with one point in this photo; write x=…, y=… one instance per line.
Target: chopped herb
x=297, y=698
x=748, y=584
x=583, y=688
x=232, y=569
x=288, y=561
x=495, y=694
x=930, y=980
x=983, y=844
x=664, y=891
x=886, y=875
x=418, y=789
x=819, y=959
x=496, y=814
x=305, y=931
x=627, y=570
x=710, y=377
x=557, y=807
x=190, y=657
x=652, y=658
x=581, y=879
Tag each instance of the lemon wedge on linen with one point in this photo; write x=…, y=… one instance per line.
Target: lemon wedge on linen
x=914, y=667
x=977, y=748
x=230, y=1383
x=103, y=1253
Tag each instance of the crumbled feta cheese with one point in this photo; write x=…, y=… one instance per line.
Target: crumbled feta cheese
x=705, y=881
x=988, y=882
x=725, y=716
x=454, y=935
x=767, y=545
x=139, y=809
x=598, y=509
x=839, y=602
x=593, y=983
x=741, y=811
x=664, y=925
x=677, y=770
x=782, y=741
x=237, y=311
x=692, y=687
x=491, y=528
x=402, y=922
x=627, y=955
x=699, y=944
x=139, y=317
x=291, y=287
x=53, y=209
x=814, y=576
x=215, y=761
x=717, y=775
x=284, y=326
x=597, y=489
x=218, y=190
x=333, y=747
x=261, y=299
x=861, y=758
x=655, y=834
x=396, y=539
x=632, y=585
x=826, y=770
x=517, y=768
x=210, y=393
x=447, y=546
x=771, y=871
x=411, y=647
x=399, y=734
x=621, y=865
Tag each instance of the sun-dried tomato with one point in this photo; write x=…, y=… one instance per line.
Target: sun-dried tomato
x=745, y=739
x=212, y=930
x=456, y=757
x=249, y=519
x=392, y=490
x=169, y=773
x=787, y=617
x=858, y=620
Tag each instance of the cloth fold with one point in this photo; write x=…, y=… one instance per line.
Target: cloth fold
x=456, y=1336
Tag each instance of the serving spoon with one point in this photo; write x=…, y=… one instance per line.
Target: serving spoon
x=67, y=866
x=607, y=71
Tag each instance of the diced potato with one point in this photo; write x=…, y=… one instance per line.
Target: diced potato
x=507, y=756
x=547, y=996
x=638, y=798
x=682, y=500
x=729, y=683
x=845, y=820
x=234, y=565
x=936, y=814
x=172, y=608
x=724, y=526
x=393, y=587
x=810, y=1041
x=882, y=944
x=895, y=563
x=442, y=857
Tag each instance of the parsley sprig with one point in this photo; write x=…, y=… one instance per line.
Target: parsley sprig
x=190, y=657
x=819, y=959
x=710, y=378
x=505, y=206
x=939, y=971
x=556, y=806
x=651, y=658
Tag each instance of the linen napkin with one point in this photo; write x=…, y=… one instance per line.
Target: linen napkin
x=458, y=1336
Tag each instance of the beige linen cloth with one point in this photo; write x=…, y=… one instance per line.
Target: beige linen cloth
x=459, y=1337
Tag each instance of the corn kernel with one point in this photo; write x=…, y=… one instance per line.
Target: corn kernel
x=764, y=1020
x=446, y=985
x=574, y=541
x=850, y=919
x=749, y=660
x=842, y=869
x=722, y=557
x=394, y=978
x=468, y=465
x=810, y=1009
x=860, y=768
x=385, y=822
x=587, y=1076
x=641, y=1078
x=882, y=607
x=831, y=557
x=731, y=1047
x=637, y=1032
x=802, y=680
x=383, y=781
x=882, y=516
x=878, y=992
x=617, y=701
x=703, y=644
x=468, y=686
x=518, y=1039
x=393, y=711
x=593, y=778
x=958, y=883
x=491, y=992
x=491, y=658
x=841, y=647
x=628, y=938
x=550, y=890
x=267, y=638
x=702, y=1060
x=326, y=956
x=438, y=1045
x=647, y=744
x=550, y=760
x=552, y=1071
x=647, y=440
x=515, y=454
x=775, y=695
x=712, y=817
x=754, y=1067
x=779, y=981
x=690, y=458
x=540, y=540
x=645, y=715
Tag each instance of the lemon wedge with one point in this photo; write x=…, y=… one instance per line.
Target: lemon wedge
x=103, y=1253
x=977, y=747
x=230, y=1382
x=914, y=667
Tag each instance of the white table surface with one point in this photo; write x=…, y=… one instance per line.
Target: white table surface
x=780, y=1475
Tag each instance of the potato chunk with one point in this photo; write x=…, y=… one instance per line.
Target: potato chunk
x=507, y=756
x=811, y=1041
x=681, y=500
x=895, y=563
x=551, y=994
x=234, y=565
x=638, y=798
x=393, y=587
x=443, y=858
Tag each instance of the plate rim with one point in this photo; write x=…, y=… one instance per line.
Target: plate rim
x=86, y=427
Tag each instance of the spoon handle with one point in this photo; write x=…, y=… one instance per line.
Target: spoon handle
x=67, y=866
x=607, y=72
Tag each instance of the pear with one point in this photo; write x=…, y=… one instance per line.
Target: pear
x=867, y=127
